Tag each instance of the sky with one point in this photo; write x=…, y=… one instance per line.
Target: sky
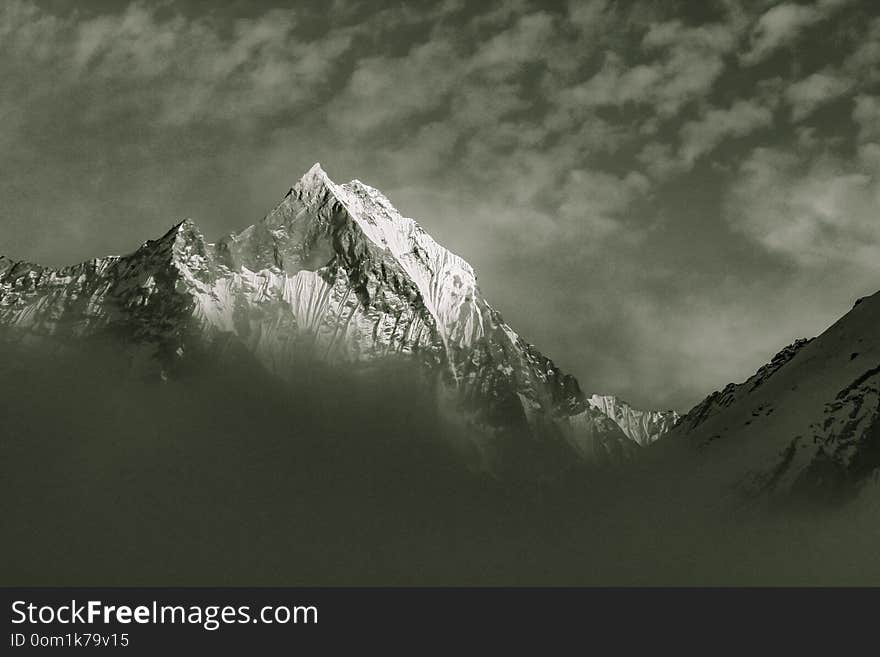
x=658, y=195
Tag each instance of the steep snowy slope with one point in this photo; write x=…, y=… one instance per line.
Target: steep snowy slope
x=808, y=422
x=333, y=274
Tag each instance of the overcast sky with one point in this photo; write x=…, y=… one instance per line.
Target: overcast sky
x=659, y=195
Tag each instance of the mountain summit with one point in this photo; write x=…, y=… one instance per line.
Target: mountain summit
x=334, y=275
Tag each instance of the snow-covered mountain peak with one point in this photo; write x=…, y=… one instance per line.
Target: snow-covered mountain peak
x=333, y=274
x=446, y=281
x=357, y=225
x=313, y=183
x=315, y=171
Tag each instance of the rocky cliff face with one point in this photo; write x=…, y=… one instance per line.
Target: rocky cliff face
x=334, y=274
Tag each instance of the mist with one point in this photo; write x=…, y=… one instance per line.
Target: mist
x=224, y=475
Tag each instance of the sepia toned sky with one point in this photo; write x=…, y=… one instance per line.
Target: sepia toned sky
x=659, y=195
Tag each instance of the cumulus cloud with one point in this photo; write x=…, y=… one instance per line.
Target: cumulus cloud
x=815, y=212
x=782, y=24
x=866, y=114
x=591, y=16
x=699, y=137
x=384, y=90
x=661, y=160
x=807, y=95
x=863, y=61
x=472, y=84
x=179, y=70
x=526, y=41
x=593, y=201
x=687, y=62
x=740, y=119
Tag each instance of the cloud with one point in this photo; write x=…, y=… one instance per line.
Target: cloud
x=526, y=41
x=591, y=16
x=593, y=201
x=817, y=213
x=809, y=94
x=477, y=85
x=384, y=90
x=661, y=160
x=866, y=114
x=178, y=70
x=740, y=119
x=700, y=136
x=783, y=24
x=863, y=62
x=687, y=62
